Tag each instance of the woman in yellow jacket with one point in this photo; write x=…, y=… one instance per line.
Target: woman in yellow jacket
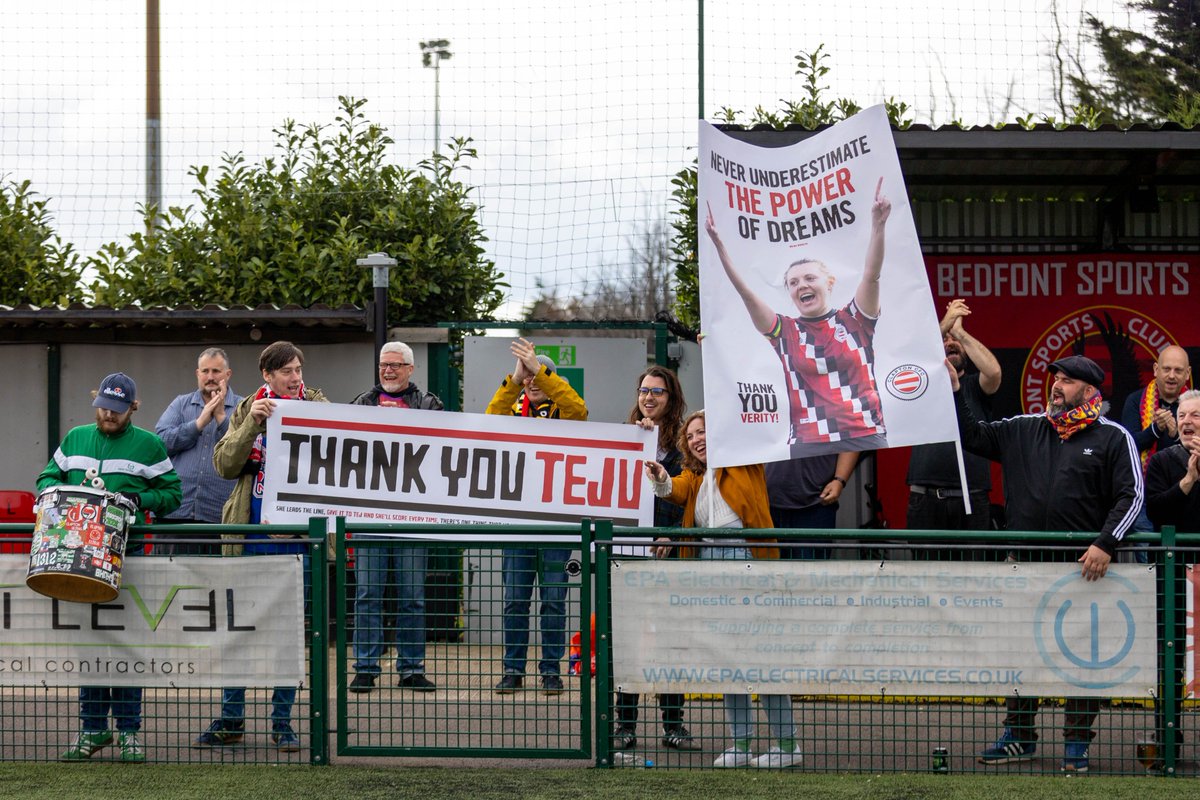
x=739, y=502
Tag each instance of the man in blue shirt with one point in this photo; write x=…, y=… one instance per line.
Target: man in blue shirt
x=190, y=428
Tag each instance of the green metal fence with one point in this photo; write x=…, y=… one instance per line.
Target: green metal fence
x=463, y=707
x=38, y=723
x=469, y=712
x=885, y=731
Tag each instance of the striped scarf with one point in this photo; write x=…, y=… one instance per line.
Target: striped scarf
x=1071, y=421
x=1146, y=411
x=258, y=454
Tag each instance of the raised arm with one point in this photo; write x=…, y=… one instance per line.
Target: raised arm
x=761, y=314
x=867, y=295
x=981, y=357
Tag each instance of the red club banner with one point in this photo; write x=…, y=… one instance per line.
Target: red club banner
x=1120, y=310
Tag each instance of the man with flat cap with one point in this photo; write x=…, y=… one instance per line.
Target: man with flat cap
x=1069, y=470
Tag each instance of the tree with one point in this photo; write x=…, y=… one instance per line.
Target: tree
x=290, y=229
x=638, y=291
x=1147, y=76
x=35, y=266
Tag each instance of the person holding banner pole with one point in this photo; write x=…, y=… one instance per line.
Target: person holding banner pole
x=399, y=567
x=659, y=404
x=935, y=497
x=1068, y=470
x=241, y=454
x=535, y=390
x=828, y=355
x=729, y=498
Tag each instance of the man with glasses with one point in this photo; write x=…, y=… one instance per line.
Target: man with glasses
x=398, y=571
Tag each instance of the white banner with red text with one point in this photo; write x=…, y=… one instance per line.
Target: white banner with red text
x=391, y=465
x=820, y=330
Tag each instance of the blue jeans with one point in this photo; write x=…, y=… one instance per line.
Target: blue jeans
x=520, y=568
x=96, y=701
x=233, y=706
x=233, y=699
x=375, y=568
x=818, y=516
x=738, y=715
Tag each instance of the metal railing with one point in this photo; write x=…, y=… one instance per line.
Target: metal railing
x=470, y=713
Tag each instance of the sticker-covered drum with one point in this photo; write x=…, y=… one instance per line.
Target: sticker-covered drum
x=78, y=545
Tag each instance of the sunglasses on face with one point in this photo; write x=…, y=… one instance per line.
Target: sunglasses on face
x=656, y=391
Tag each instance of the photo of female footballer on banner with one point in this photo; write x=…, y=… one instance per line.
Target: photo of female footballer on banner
x=810, y=345
x=827, y=354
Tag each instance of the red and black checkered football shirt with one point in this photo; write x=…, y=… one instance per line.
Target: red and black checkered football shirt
x=828, y=363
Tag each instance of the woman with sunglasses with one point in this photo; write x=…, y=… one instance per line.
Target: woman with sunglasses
x=660, y=403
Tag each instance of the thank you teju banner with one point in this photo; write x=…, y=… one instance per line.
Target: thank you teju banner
x=820, y=330
x=383, y=465
x=182, y=622
x=899, y=628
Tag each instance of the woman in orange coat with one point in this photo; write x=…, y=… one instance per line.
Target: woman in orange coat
x=740, y=501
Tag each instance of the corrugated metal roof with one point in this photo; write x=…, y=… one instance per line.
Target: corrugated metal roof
x=79, y=322
x=1037, y=163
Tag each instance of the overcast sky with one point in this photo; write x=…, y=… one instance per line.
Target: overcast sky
x=581, y=112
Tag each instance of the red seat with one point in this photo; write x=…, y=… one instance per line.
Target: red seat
x=16, y=507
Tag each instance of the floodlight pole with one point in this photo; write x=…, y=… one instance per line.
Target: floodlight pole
x=433, y=53
x=379, y=264
x=153, y=114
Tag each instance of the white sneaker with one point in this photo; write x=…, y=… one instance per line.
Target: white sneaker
x=775, y=758
x=733, y=758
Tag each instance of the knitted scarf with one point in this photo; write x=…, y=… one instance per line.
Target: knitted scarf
x=1071, y=421
x=1146, y=417
x=258, y=453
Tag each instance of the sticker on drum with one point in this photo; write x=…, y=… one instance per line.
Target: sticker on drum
x=78, y=544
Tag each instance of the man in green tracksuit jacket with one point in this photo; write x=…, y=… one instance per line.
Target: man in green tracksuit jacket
x=134, y=463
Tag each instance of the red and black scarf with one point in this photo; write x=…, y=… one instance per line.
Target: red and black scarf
x=258, y=450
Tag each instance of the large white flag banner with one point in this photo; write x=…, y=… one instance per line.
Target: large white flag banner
x=182, y=622
x=388, y=465
x=900, y=628
x=820, y=330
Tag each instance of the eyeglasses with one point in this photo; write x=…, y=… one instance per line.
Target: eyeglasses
x=657, y=391
x=393, y=366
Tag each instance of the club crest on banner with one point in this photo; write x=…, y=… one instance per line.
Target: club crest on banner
x=1124, y=342
x=907, y=382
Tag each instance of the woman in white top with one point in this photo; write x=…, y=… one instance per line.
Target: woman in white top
x=740, y=501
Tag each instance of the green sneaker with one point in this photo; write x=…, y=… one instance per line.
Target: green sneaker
x=131, y=747
x=86, y=744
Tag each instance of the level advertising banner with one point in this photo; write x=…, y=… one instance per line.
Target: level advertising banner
x=389, y=465
x=820, y=333
x=177, y=622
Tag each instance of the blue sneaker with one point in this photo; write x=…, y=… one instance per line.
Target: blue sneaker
x=221, y=733
x=1008, y=750
x=285, y=740
x=1075, y=759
